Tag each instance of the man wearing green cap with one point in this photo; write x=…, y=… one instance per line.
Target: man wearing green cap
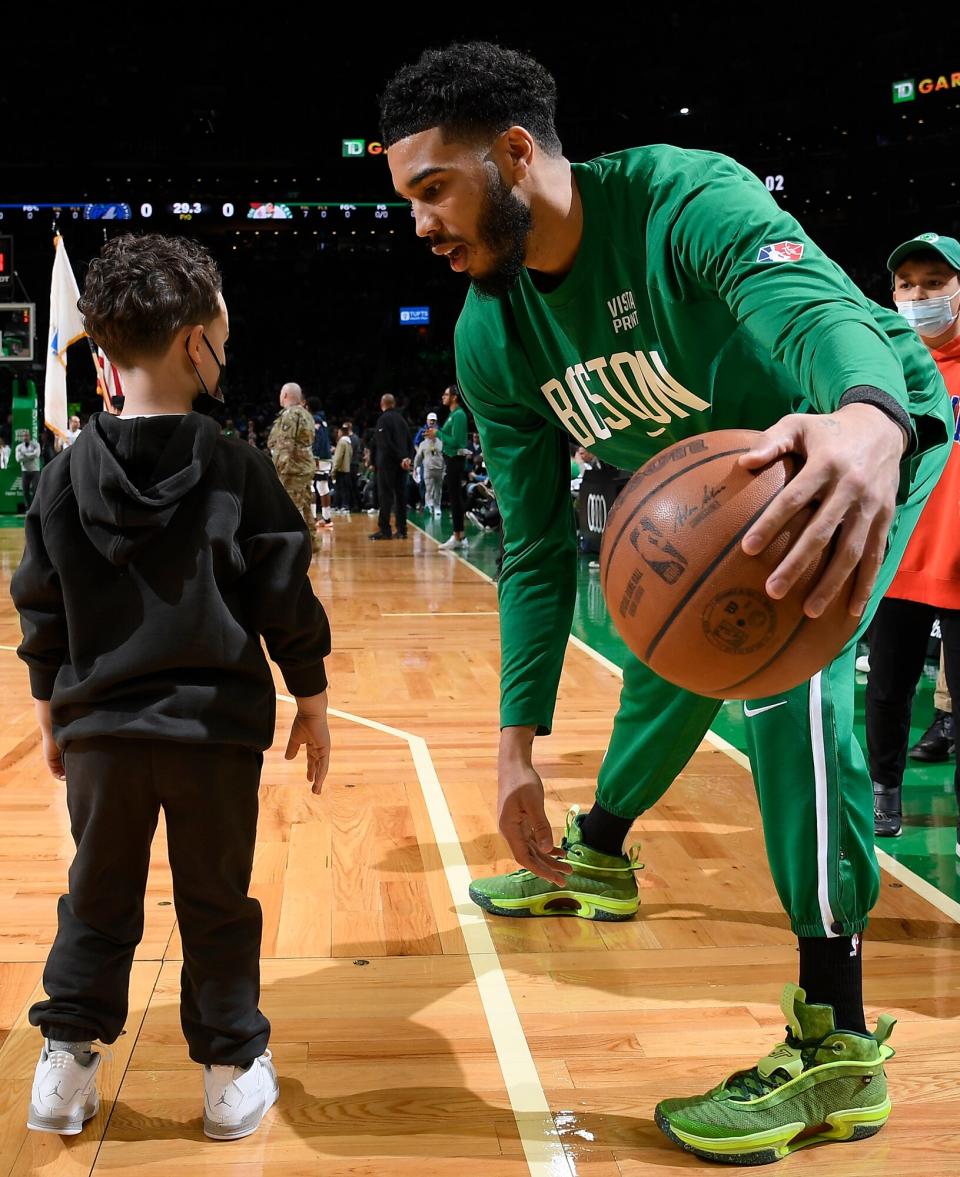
x=926, y=292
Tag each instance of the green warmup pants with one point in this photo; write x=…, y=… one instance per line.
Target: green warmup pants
x=812, y=782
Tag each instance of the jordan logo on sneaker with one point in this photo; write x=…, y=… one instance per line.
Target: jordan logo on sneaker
x=222, y=1101
x=760, y=710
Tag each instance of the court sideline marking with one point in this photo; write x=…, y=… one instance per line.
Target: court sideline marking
x=903, y=874
x=539, y=1136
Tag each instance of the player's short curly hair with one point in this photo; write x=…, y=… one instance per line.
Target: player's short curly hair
x=141, y=290
x=471, y=90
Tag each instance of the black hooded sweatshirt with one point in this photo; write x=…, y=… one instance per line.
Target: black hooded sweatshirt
x=157, y=553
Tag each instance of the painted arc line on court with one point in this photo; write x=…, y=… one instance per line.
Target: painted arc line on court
x=903, y=874
x=539, y=1137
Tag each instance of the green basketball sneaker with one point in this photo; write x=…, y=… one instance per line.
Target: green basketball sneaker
x=821, y=1084
x=601, y=887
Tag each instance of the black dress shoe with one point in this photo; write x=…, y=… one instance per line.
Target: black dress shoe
x=887, y=811
x=936, y=743
x=400, y=535
x=378, y=535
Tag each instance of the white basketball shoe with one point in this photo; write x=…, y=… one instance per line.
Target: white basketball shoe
x=236, y=1100
x=64, y=1092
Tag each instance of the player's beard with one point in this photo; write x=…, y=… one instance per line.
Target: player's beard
x=503, y=228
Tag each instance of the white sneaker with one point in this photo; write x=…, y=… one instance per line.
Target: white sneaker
x=64, y=1092
x=450, y=544
x=437, y=512
x=235, y=1101
x=863, y=664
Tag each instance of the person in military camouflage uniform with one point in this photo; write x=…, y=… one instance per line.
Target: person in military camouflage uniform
x=291, y=447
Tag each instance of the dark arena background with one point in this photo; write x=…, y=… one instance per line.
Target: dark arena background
x=190, y=128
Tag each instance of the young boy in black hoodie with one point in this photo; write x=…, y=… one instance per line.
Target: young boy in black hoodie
x=158, y=552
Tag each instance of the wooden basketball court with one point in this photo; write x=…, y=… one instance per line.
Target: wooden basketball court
x=413, y=1036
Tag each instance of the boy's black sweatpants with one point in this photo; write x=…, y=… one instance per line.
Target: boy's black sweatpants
x=208, y=792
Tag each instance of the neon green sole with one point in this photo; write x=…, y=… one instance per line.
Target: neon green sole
x=589, y=907
x=763, y=1148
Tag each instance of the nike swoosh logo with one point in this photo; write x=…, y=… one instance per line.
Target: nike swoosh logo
x=760, y=710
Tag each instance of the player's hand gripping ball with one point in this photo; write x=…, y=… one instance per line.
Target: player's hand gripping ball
x=686, y=598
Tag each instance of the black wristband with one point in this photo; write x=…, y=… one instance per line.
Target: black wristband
x=866, y=394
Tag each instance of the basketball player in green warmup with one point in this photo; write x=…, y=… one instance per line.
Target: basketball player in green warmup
x=630, y=302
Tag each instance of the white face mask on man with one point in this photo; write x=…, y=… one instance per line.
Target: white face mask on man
x=930, y=316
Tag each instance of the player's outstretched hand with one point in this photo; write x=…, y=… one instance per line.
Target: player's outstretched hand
x=522, y=817
x=850, y=476
x=310, y=727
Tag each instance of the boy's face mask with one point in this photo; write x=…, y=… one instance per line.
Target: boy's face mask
x=205, y=401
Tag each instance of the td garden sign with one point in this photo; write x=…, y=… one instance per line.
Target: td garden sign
x=910, y=88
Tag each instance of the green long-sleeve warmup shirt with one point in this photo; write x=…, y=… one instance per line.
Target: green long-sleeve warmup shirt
x=453, y=433
x=694, y=303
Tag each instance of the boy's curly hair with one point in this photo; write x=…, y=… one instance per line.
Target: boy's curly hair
x=141, y=290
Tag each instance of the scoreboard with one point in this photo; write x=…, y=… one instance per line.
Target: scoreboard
x=210, y=211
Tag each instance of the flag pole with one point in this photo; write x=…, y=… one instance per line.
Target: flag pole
x=101, y=383
x=66, y=328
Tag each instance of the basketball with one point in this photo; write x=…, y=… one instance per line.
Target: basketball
x=686, y=598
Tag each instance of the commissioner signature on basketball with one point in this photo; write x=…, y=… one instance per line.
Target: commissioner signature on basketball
x=701, y=510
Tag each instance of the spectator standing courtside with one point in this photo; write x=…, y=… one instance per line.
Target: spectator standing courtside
x=926, y=291
x=431, y=423
x=324, y=467
x=71, y=435
x=27, y=454
x=342, y=460
x=356, y=458
x=291, y=447
x=454, y=438
x=393, y=457
x=429, y=458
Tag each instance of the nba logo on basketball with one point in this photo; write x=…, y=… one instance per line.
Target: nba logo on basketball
x=783, y=251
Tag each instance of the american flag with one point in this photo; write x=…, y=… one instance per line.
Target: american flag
x=108, y=378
